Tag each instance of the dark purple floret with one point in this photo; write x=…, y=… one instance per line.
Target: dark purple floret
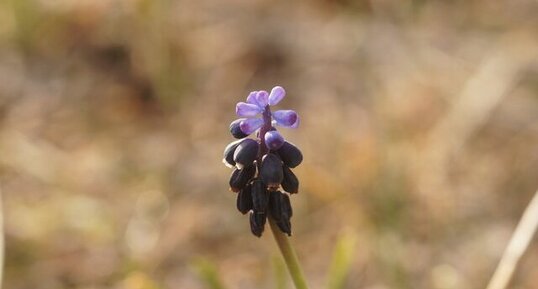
x=280, y=209
x=240, y=178
x=290, y=155
x=271, y=171
x=235, y=129
x=279, y=206
x=275, y=205
x=290, y=182
x=260, y=196
x=285, y=226
x=246, y=152
x=286, y=206
x=229, y=151
x=257, y=223
x=244, y=199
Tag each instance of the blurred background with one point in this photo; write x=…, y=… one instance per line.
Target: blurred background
x=419, y=130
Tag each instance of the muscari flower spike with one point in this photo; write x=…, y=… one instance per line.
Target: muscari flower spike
x=262, y=166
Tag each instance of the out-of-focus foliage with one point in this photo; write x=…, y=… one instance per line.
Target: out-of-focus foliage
x=342, y=260
x=209, y=274
x=419, y=130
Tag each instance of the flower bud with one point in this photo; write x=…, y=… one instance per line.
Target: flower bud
x=290, y=155
x=244, y=199
x=250, y=125
x=243, y=109
x=280, y=209
x=262, y=98
x=260, y=196
x=276, y=95
x=229, y=151
x=285, y=226
x=275, y=207
x=240, y=178
x=246, y=152
x=290, y=183
x=286, y=206
x=235, y=129
x=286, y=118
x=257, y=223
x=273, y=140
x=271, y=171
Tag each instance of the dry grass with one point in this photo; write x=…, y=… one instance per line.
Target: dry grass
x=419, y=130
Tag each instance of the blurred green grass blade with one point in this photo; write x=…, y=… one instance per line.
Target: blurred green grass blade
x=27, y=18
x=208, y=273
x=341, y=260
x=279, y=269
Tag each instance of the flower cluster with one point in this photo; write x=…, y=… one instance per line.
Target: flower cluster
x=263, y=165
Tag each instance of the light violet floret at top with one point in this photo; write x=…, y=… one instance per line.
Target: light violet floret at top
x=259, y=102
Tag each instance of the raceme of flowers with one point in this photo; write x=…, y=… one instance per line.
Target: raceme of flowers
x=262, y=175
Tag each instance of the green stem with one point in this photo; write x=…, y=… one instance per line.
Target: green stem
x=2, y=241
x=289, y=256
x=282, y=240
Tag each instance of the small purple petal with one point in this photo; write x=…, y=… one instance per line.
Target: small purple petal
x=262, y=98
x=287, y=118
x=247, y=109
x=250, y=125
x=273, y=140
x=277, y=94
x=251, y=98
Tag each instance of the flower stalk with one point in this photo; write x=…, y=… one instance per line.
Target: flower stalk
x=289, y=255
x=283, y=242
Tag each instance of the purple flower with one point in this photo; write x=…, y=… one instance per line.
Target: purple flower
x=277, y=94
x=258, y=102
x=247, y=109
x=250, y=125
x=263, y=164
x=287, y=118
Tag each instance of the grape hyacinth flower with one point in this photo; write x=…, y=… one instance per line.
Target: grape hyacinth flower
x=262, y=176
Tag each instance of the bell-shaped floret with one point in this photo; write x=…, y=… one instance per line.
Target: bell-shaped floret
x=271, y=171
x=240, y=178
x=290, y=155
x=246, y=152
x=290, y=183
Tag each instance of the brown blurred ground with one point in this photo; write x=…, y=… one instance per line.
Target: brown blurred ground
x=419, y=130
